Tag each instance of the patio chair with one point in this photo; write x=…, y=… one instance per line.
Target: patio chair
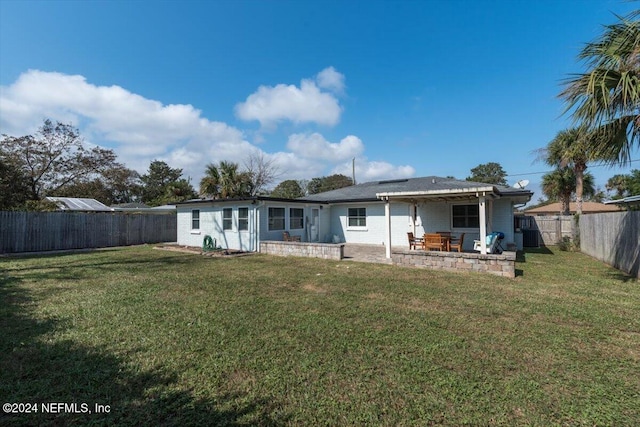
x=289, y=238
x=414, y=242
x=434, y=241
x=456, y=243
x=491, y=243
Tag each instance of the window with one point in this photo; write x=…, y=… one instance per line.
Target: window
x=195, y=219
x=465, y=216
x=227, y=219
x=276, y=218
x=296, y=218
x=243, y=219
x=357, y=217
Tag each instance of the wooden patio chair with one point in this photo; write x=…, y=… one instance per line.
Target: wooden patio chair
x=414, y=242
x=456, y=243
x=289, y=238
x=434, y=241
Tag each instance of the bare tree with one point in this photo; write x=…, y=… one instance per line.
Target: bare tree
x=262, y=172
x=55, y=158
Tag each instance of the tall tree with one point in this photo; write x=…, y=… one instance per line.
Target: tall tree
x=115, y=185
x=55, y=157
x=619, y=184
x=560, y=185
x=288, y=189
x=261, y=171
x=489, y=173
x=178, y=191
x=625, y=184
x=13, y=186
x=156, y=182
x=224, y=180
x=606, y=98
x=328, y=183
x=572, y=148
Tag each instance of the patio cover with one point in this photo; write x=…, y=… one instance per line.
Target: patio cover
x=481, y=193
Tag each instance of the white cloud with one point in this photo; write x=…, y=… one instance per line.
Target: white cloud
x=373, y=171
x=331, y=80
x=315, y=146
x=140, y=130
x=306, y=104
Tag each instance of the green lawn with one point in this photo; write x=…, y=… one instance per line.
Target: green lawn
x=166, y=338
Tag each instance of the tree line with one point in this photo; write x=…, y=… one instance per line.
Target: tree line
x=55, y=161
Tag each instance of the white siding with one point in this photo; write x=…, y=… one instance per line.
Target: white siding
x=375, y=231
x=211, y=224
x=266, y=234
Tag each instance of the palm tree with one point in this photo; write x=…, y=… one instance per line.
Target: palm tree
x=209, y=184
x=572, y=148
x=561, y=184
x=606, y=98
x=618, y=183
x=225, y=181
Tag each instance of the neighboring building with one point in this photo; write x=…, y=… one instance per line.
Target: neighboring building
x=139, y=207
x=79, y=204
x=375, y=213
x=556, y=208
x=627, y=202
x=131, y=205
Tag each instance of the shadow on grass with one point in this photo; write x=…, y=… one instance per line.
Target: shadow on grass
x=33, y=369
x=543, y=250
x=62, y=267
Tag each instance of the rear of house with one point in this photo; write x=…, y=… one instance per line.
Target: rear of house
x=374, y=213
x=243, y=222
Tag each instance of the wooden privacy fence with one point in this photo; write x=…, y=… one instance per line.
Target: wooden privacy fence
x=613, y=237
x=48, y=231
x=545, y=230
x=554, y=227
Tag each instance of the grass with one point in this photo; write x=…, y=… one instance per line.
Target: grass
x=165, y=338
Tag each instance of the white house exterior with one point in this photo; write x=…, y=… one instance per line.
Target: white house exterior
x=375, y=213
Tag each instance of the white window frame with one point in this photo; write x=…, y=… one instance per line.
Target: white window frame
x=467, y=217
x=240, y=219
x=292, y=218
x=227, y=221
x=271, y=219
x=357, y=217
x=195, y=216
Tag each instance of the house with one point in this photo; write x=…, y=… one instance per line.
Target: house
x=374, y=213
x=556, y=208
x=629, y=202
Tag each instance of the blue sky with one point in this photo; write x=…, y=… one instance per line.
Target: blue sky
x=408, y=88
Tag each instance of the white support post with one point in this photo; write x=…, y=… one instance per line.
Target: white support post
x=482, y=205
x=387, y=217
x=412, y=216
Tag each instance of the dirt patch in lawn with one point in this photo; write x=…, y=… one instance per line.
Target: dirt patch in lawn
x=222, y=253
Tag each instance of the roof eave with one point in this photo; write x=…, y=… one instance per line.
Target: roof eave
x=446, y=193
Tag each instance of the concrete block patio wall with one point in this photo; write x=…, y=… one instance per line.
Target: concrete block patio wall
x=502, y=265
x=303, y=249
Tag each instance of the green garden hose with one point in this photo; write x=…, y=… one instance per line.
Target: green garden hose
x=208, y=244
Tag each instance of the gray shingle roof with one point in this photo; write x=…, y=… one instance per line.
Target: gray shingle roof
x=368, y=190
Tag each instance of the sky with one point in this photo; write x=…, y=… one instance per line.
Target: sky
x=407, y=88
